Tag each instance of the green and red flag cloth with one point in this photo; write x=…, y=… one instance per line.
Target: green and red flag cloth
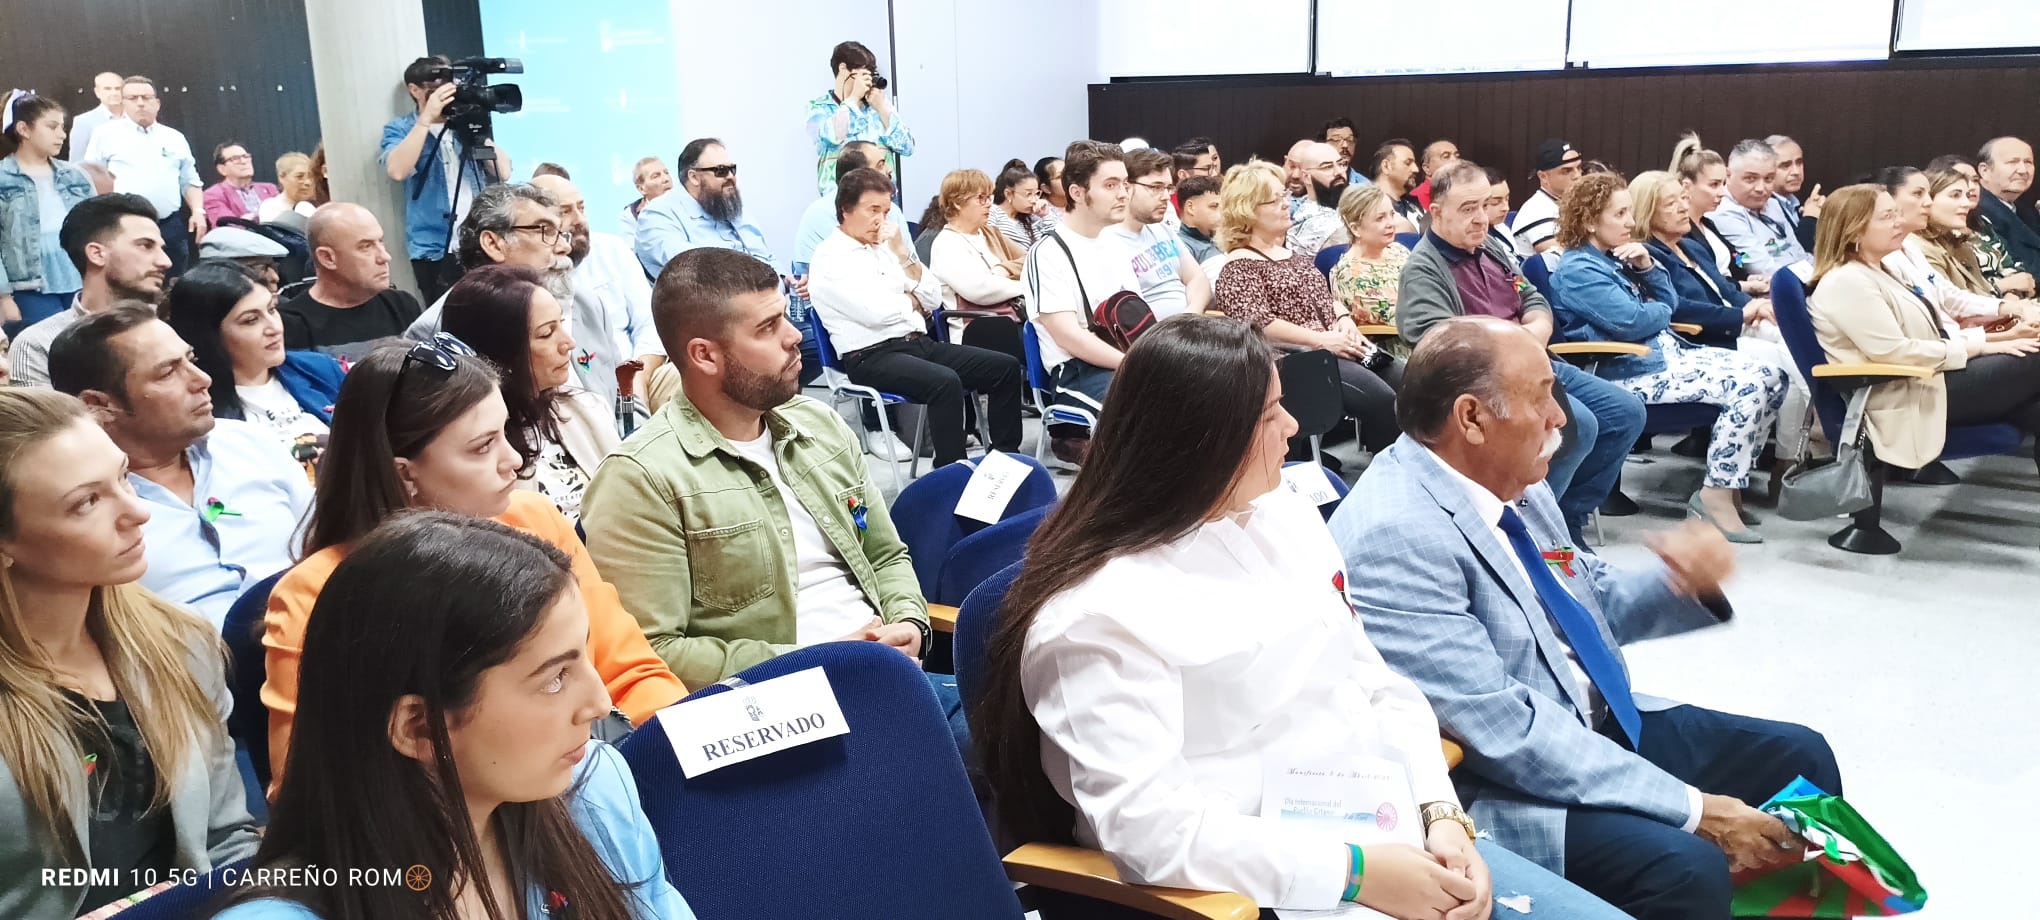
x=1850, y=870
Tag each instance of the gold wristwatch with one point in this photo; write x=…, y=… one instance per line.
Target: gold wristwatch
x=1446, y=811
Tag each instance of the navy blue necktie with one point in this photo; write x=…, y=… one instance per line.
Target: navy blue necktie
x=1578, y=628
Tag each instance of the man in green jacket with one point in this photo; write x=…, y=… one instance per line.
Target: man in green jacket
x=740, y=522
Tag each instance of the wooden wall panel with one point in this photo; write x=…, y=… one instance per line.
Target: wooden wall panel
x=1852, y=118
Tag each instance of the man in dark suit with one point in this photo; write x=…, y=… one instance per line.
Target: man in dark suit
x=2005, y=168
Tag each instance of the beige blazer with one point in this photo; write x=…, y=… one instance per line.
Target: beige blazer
x=587, y=427
x=1864, y=315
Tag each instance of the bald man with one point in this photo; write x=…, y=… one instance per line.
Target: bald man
x=1314, y=218
x=351, y=305
x=107, y=87
x=612, y=308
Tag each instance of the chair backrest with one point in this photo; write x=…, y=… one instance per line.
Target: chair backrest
x=975, y=618
x=797, y=833
x=1310, y=390
x=926, y=519
x=1539, y=276
x=1030, y=343
x=1409, y=240
x=1329, y=256
x=980, y=555
x=823, y=347
x=242, y=630
x=1795, y=325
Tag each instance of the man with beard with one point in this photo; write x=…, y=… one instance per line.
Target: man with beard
x=612, y=305
x=1395, y=170
x=223, y=500
x=1316, y=219
x=512, y=224
x=1170, y=280
x=741, y=522
x=115, y=243
x=1338, y=132
x=710, y=214
x=350, y=303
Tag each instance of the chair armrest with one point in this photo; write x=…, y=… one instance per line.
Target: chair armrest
x=1598, y=349
x=1454, y=754
x=1378, y=329
x=1090, y=874
x=1686, y=328
x=1873, y=370
x=942, y=617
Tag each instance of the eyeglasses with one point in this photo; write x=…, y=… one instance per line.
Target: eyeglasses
x=1159, y=188
x=721, y=172
x=441, y=352
x=547, y=233
x=240, y=158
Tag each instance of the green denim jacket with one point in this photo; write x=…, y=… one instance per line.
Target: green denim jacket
x=697, y=541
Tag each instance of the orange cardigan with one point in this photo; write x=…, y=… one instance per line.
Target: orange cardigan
x=638, y=681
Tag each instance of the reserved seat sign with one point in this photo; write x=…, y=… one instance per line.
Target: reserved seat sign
x=753, y=720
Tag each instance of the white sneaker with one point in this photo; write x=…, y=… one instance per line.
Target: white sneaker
x=886, y=447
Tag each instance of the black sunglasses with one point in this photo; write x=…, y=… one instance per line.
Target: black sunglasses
x=441, y=352
x=721, y=172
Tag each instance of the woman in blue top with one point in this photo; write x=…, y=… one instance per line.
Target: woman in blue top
x=37, y=279
x=1608, y=287
x=230, y=321
x=447, y=730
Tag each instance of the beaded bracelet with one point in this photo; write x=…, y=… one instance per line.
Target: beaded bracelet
x=1356, y=869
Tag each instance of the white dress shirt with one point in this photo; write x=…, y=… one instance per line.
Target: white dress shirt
x=1953, y=304
x=1490, y=507
x=864, y=295
x=1166, y=683
x=154, y=162
x=611, y=314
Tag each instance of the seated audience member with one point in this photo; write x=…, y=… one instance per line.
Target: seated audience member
x=237, y=194
x=37, y=188
x=1279, y=292
x=1048, y=171
x=511, y=224
x=1171, y=281
x=1536, y=224
x=482, y=685
x=422, y=425
x=610, y=307
x=1999, y=267
x=551, y=170
x=1395, y=170
x=246, y=249
x=561, y=431
x=1727, y=317
x=1704, y=175
x=1338, y=132
x=102, y=675
x=931, y=225
x=322, y=190
x=1648, y=807
x=652, y=179
x=351, y=303
x=224, y=501
x=1949, y=244
x=1908, y=188
x=2004, y=166
x=1436, y=154
x=1126, y=613
x=294, y=176
x=1364, y=281
x=1019, y=210
x=1804, y=215
x=819, y=221
x=877, y=318
x=801, y=548
x=1609, y=288
x=1754, y=222
x=1864, y=310
x=1314, y=216
x=1459, y=268
x=1076, y=267
x=978, y=267
x=1497, y=208
x=1197, y=204
x=707, y=211
x=236, y=338
x=116, y=247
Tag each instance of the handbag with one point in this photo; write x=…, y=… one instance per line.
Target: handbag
x=1839, y=488
x=1119, y=318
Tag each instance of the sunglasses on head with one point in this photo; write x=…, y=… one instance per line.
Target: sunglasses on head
x=441, y=352
x=721, y=172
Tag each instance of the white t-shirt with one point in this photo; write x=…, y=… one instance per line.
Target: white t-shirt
x=1156, y=256
x=830, y=604
x=273, y=208
x=558, y=478
x=1535, y=222
x=273, y=409
x=1052, y=281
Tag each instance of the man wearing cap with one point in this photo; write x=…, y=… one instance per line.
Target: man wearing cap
x=1536, y=224
x=254, y=251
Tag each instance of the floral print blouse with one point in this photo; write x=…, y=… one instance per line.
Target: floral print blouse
x=1366, y=289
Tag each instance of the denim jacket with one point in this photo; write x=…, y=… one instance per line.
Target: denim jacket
x=1599, y=298
x=21, y=219
x=428, y=215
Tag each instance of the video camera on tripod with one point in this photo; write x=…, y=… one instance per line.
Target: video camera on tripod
x=476, y=101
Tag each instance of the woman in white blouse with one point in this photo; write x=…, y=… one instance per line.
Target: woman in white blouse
x=1179, y=647
x=979, y=267
x=230, y=321
x=560, y=429
x=1969, y=312
x=294, y=179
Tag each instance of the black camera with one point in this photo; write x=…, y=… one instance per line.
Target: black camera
x=475, y=100
x=877, y=80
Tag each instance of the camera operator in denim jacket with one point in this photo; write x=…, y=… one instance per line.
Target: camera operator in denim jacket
x=440, y=180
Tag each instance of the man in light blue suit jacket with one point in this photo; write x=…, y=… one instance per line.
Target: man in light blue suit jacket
x=1650, y=818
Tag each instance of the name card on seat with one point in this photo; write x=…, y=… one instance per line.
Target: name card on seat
x=991, y=487
x=1308, y=480
x=751, y=721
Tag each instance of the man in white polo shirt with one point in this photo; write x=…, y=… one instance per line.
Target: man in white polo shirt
x=154, y=160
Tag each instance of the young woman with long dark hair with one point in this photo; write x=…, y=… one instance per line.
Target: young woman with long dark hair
x=448, y=729
x=1178, y=631
x=113, y=701
x=236, y=336
x=421, y=426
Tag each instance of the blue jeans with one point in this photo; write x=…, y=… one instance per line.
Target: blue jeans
x=1550, y=896
x=37, y=306
x=1608, y=419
